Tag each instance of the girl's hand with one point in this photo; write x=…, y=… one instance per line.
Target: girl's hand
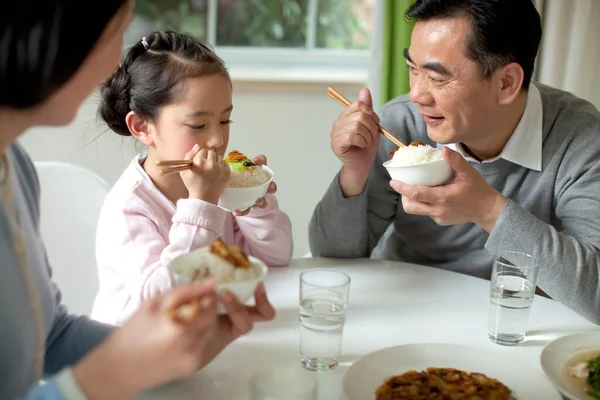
x=209, y=175
x=262, y=202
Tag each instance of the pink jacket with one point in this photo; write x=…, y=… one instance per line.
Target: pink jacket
x=140, y=232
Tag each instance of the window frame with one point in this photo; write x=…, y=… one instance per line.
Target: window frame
x=295, y=64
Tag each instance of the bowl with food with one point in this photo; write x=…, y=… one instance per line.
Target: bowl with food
x=572, y=363
x=248, y=183
x=418, y=164
x=232, y=269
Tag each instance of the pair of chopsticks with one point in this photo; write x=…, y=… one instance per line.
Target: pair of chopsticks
x=337, y=96
x=174, y=166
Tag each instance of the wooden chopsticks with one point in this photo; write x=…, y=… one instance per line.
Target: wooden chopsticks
x=174, y=166
x=337, y=96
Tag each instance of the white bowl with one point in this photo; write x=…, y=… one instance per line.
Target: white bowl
x=239, y=199
x=563, y=350
x=242, y=290
x=432, y=173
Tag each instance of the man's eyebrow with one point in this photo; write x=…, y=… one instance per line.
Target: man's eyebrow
x=437, y=67
x=407, y=55
x=434, y=66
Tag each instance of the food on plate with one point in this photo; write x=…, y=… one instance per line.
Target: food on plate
x=244, y=173
x=227, y=263
x=224, y=262
x=415, y=153
x=442, y=384
x=584, y=373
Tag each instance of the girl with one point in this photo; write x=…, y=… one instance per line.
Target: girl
x=52, y=59
x=174, y=95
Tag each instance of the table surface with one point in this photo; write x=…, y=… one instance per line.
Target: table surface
x=390, y=304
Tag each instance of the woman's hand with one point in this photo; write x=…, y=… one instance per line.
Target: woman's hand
x=262, y=202
x=239, y=319
x=153, y=348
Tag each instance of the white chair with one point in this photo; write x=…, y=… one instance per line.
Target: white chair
x=71, y=199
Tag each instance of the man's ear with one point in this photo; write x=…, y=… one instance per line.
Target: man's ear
x=511, y=83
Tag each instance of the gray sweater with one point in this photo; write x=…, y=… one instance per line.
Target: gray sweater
x=553, y=214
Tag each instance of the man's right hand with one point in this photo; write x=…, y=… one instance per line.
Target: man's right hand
x=355, y=140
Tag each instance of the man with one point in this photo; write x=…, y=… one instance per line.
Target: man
x=525, y=158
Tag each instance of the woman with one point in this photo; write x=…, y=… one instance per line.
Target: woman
x=53, y=53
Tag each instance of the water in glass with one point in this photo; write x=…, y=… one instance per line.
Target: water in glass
x=321, y=326
x=510, y=302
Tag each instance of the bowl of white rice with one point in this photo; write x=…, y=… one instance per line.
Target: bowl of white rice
x=421, y=165
x=202, y=263
x=245, y=187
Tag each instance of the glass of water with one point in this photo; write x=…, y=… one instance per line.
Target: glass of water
x=323, y=300
x=283, y=383
x=513, y=283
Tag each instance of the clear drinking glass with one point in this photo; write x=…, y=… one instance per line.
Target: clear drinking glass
x=513, y=283
x=283, y=384
x=323, y=300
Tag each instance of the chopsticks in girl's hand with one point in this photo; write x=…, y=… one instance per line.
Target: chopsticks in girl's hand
x=337, y=96
x=174, y=166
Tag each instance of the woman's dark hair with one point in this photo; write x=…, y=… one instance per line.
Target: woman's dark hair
x=151, y=76
x=502, y=31
x=43, y=44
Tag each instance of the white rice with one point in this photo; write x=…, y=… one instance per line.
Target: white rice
x=412, y=155
x=248, y=178
x=214, y=266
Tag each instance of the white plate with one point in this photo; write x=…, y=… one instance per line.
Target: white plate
x=556, y=354
x=369, y=372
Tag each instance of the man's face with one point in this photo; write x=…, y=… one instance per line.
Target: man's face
x=457, y=104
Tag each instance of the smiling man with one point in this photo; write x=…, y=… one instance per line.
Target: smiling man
x=526, y=158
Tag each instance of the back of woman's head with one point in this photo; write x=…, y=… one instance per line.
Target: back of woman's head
x=152, y=75
x=44, y=42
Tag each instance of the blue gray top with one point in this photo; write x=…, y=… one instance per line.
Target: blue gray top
x=68, y=337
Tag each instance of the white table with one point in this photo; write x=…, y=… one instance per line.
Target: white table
x=390, y=304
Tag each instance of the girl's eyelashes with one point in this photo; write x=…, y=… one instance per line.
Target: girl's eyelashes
x=200, y=127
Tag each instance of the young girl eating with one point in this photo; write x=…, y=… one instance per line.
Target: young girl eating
x=174, y=95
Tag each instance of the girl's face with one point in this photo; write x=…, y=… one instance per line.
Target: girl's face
x=199, y=116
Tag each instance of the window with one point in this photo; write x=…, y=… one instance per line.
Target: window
x=272, y=37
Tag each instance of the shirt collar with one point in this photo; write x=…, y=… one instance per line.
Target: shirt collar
x=524, y=147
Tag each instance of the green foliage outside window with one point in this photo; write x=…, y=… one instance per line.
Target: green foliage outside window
x=340, y=24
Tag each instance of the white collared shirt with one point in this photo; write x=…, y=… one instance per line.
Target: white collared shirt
x=525, y=144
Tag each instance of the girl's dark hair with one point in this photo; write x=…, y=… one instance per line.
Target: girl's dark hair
x=152, y=74
x=43, y=43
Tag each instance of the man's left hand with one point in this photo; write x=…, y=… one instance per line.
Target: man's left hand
x=466, y=198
